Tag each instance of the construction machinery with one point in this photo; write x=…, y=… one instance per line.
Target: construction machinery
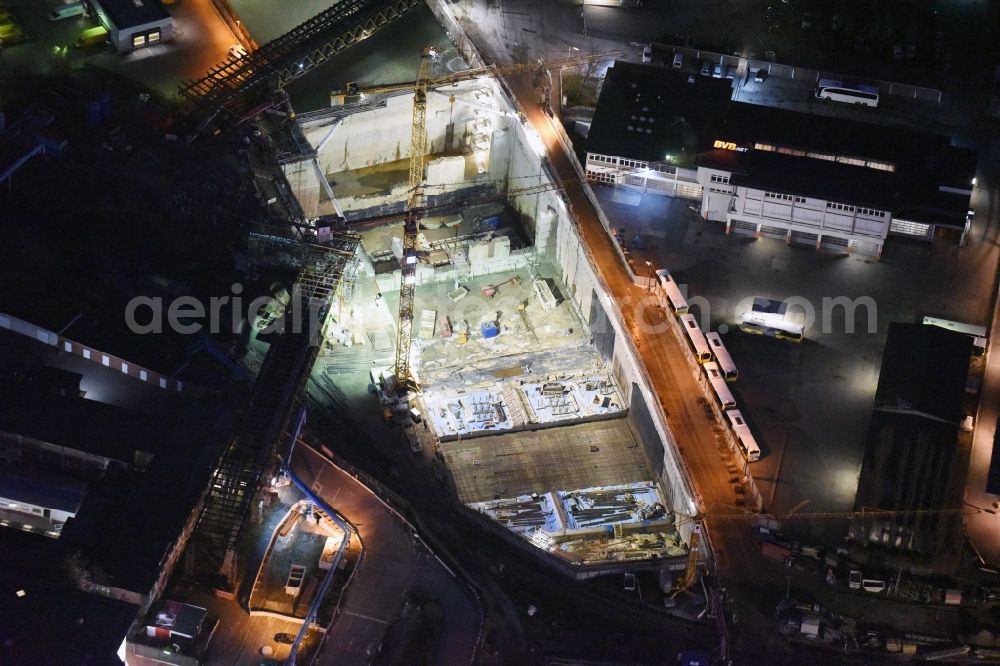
x=404, y=379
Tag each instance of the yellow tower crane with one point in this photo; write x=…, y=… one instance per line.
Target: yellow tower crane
x=405, y=381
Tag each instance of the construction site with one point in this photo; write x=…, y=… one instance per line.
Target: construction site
x=503, y=370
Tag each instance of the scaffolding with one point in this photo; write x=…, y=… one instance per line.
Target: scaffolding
x=279, y=385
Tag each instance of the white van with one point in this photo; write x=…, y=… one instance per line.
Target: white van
x=678, y=60
x=66, y=11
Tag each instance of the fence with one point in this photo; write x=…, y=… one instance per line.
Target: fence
x=780, y=70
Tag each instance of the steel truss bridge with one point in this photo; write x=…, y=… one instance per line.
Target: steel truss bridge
x=267, y=426
x=294, y=54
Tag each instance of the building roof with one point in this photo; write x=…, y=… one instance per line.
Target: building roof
x=133, y=13
x=923, y=162
x=646, y=113
x=49, y=624
x=41, y=489
x=34, y=411
x=924, y=372
x=691, y=113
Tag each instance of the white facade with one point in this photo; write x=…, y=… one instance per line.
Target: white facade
x=129, y=38
x=745, y=210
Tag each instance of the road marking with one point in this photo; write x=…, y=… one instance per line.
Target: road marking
x=365, y=617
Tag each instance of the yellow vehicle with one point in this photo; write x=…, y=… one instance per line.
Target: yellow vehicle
x=11, y=33
x=92, y=36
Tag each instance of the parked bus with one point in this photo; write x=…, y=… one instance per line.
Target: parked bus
x=748, y=445
x=977, y=333
x=718, y=382
x=722, y=356
x=696, y=339
x=848, y=96
x=767, y=317
x=671, y=292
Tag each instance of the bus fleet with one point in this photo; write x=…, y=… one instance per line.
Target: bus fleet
x=715, y=361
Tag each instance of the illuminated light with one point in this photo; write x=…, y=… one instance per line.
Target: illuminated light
x=535, y=141
x=411, y=259
x=728, y=145
x=975, y=181
x=20, y=593
x=669, y=157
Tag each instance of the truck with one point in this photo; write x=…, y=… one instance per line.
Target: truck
x=92, y=36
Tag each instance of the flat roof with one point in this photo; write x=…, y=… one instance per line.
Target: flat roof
x=688, y=114
x=77, y=423
x=924, y=372
x=53, y=624
x=646, y=113
x=133, y=13
x=924, y=162
x=41, y=489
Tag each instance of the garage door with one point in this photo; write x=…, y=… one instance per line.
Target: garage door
x=834, y=244
x=743, y=228
x=689, y=191
x=804, y=238
x=773, y=232
x=866, y=249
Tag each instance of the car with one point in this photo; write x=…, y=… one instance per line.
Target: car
x=760, y=75
x=717, y=71
x=854, y=580
x=630, y=582
x=236, y=51
x=678, y=60
x=706, y=68
x=897, y=51
x=807, y=20
x=647, y=53
x=730, y=72
x=285, y=638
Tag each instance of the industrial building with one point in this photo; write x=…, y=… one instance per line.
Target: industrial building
x=911, y=458
x=134, y=24
x=764, y=171
x=97, y=498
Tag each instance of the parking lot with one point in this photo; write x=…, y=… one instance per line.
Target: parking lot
x=809, y=404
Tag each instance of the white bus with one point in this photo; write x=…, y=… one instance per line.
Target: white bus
x=771, y=324
x=743, y=435
x=696, y=339
x=722, y=393
x=671, y=292
x=977, y=333
x=722, y=356
x=848, y=96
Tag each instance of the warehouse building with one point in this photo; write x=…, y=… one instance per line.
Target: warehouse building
x=763, y=171
x=911, y=459
x=134, y=24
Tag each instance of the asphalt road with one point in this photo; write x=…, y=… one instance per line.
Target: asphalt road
x=392, y=565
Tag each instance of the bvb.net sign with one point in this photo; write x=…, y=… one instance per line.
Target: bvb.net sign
x=729, y=145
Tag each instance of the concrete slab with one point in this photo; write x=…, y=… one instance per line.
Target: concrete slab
x=577, y=456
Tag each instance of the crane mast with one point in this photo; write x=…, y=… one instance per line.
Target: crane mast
x=405, y=381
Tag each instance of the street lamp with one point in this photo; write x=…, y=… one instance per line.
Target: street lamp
x=649, y=269
x=569, y=51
